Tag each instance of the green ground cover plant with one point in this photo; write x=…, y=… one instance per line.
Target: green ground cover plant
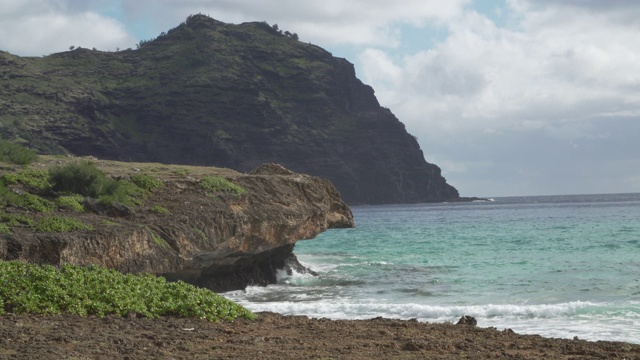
x=28, y=200
x=73, y=202
x=35, y=202
x=218, y=183
x=27, y=288
x=36, y=179
x=15, y=220
x=60, y=224
x=146, y=182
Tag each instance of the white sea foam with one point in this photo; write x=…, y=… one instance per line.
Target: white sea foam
x=566, y=320
x=344, y=309
x=554, y=266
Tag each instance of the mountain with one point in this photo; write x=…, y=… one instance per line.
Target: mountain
x=210, y=93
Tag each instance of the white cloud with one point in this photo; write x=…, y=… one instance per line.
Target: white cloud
x=329, y=22
x=35, y=27
x=482, y=76
x=504, y=108
x=557, y=71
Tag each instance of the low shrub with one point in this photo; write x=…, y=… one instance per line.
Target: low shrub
x=81, y=177
x=15, y=153
x=73, y=202
x=146, y=182
x=60, y=224
x=4, y=229
x=125, y=192
x=27, y=288
x=220, y=184
x=86, y=179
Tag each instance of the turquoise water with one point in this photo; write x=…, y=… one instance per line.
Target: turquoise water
x=558, y=266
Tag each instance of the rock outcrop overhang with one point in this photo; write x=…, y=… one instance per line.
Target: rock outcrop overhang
x=221, y=241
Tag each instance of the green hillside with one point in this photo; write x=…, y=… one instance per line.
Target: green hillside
x=210, y=93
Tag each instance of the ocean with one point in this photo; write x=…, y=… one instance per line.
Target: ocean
x=557, y=266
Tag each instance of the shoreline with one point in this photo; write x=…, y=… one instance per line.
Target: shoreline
x=283, y=337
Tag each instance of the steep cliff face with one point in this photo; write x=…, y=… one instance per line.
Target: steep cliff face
x=217, y=240
x=210, y=93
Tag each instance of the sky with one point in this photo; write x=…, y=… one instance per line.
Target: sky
x=508, y=97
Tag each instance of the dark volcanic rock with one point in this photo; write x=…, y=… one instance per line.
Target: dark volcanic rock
x=467, y=320
x=210, y=93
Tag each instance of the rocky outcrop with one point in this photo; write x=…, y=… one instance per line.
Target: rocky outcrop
x=218, y=240
x=216, y=94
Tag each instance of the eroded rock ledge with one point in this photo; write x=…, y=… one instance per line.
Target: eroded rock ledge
x=220, y=241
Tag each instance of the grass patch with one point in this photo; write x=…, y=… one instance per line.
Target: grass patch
x=109, y=223
x=201, y=233
x=182, y=172
x=157, y=239
x=4, y=229
x=160, y=210
x=27, y=288
x=73, y=202
x=220, y=184
x=60, y=224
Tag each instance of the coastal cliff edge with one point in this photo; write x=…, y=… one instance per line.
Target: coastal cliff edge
x=214, y=239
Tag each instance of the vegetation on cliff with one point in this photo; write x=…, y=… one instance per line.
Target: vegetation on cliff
x=216, y=94
x=15, y=153
x=67, y=187
x=28, y=288
x=212, y=227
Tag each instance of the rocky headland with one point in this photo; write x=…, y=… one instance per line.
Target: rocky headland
x=213, y=238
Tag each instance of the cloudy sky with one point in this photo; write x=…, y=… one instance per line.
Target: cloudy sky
x=514, y=97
